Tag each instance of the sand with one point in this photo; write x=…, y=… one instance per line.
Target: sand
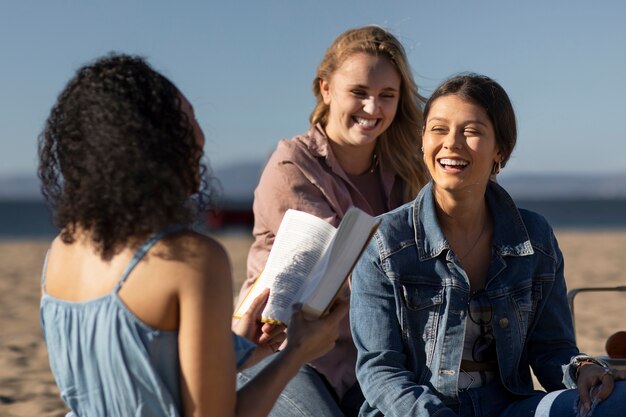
x=592, y=258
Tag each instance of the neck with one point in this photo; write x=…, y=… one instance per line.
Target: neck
x=466, y=228
x=354, y=160
x=464, y=214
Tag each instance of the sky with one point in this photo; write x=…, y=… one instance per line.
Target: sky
x=247, y=66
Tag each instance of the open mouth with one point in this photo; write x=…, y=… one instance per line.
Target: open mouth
x=365, y=123
x=450, y=164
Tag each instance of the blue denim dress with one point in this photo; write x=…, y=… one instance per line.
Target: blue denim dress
x=409, y=308
x=107, y=362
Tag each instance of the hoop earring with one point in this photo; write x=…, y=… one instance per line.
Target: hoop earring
x=497, y=167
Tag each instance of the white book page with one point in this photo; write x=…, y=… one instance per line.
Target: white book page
x=299, y=243
x=352, y=235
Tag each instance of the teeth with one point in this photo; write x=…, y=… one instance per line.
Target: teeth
x=365, y=122
x=453, y=162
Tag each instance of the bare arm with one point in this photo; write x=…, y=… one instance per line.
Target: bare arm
x=207, y=358
x=205, y=343
x=307, y=340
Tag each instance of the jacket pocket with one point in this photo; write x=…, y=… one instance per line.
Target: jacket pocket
x=419, y=297
x=525, y=304
x=420, y=310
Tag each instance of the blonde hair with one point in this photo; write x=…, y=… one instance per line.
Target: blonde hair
x=399, y=146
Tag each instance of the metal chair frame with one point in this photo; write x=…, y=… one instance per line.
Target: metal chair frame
x=615, y=362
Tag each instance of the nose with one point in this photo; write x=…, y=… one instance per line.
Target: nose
x=370, y=105
x=454, y=140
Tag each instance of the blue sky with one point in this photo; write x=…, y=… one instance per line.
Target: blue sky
x=247, y=66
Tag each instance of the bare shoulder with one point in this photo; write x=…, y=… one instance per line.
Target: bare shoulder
x=183, y=272
x=193, y=244
x=196, y=254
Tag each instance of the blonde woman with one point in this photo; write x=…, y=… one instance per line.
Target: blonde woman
x=363, y=150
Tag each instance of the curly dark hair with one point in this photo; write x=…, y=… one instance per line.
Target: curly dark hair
x=117, y=156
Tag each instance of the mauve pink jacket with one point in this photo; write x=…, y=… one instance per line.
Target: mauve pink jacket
x=303, y=174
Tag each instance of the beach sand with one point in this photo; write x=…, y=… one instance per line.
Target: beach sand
x=592, y=258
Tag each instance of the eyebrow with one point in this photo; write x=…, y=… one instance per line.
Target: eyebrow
x=364, y=87
x=443, y=119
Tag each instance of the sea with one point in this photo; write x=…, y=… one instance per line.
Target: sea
x=32, y=219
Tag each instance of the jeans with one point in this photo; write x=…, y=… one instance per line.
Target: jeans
x=307, y=395
x=494, y=401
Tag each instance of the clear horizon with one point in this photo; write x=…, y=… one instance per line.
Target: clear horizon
x=247, y=67
x=237, y=182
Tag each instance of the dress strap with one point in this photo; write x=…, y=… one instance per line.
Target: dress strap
x=143, y=249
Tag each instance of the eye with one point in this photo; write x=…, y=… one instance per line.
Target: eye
x=438, y=129
x=471, y=132
x=388, y=95
x=358, y=92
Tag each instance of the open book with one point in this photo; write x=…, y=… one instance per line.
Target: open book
x=309, y=262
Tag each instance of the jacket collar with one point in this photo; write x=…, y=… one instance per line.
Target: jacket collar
x=510, y=236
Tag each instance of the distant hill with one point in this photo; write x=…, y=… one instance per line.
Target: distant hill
x=237, y=182
x=564, y=186
x=20, y=187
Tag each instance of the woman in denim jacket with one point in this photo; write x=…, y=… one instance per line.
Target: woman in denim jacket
x=460, y=292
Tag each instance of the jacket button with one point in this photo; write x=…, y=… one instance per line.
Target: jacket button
x=504, y=323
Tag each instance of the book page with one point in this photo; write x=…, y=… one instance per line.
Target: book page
x=329, y=274
x=299, y=243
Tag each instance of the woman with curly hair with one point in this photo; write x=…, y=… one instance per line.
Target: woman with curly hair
x=363, y=150
x=135, y=305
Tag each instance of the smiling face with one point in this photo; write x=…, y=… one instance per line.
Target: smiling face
x=459, y=144
x=362, y=95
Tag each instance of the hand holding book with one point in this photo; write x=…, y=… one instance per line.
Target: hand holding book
x=309, y=262
x=267, y=337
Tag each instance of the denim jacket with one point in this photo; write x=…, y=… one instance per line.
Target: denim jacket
x=409, y=305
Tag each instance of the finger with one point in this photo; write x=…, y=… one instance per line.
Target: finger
x=583, y=385
x=297, y=315
x=264, y=339
x=619, y=374
x=276, y=346
x=273, y=337
x=268, y=328
x=583, y=394
x=608, y=384
x=273, y=330
x=344, y=292
x=338, y=311
x=277, y=340
x=257, y=306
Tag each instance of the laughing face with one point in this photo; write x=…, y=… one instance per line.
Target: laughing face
x=362, y=96
x=459, y=144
